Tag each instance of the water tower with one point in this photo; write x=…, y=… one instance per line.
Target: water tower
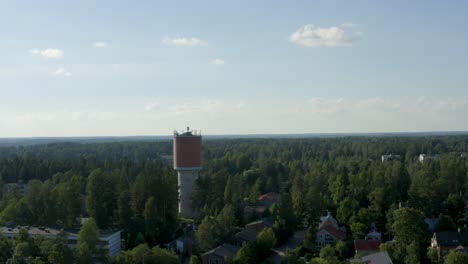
x=187, y=163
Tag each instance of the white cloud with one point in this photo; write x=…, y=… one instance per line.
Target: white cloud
x=377, y=102
x=47, y=53
x=319, y=105
x=152, y=106
x=212, y=107
x=415, y=105
x=216, y=116
x=239, y=105
x=450, y=105
x=62, y=72
x=405, y=105
x=183, y=41
x=100, y=44
x=218, y=62
x=209, y=106
x=314, y=37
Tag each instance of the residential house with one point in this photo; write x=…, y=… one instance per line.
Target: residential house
x=223, y=254
x=276, y=257
x=253, y=212
x=184, y=241
x=265, y=201
x=245, y=235
x=443, y=242
x=293, y=242
x=377, y=258
x=259, y=225
x=268, y=199
x=366, y=247
x=370, y=245
x=329, y=232
x=251, y=230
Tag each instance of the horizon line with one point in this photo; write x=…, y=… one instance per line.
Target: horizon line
x=248, y=134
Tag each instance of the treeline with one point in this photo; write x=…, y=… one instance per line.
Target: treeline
x=336, y=169
x=332, y=148
x=343, y=175
x=135, y=151
x=121, y=192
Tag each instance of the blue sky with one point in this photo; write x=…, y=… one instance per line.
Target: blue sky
x=85, y=68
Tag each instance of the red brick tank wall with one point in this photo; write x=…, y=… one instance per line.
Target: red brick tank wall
x=187, y=151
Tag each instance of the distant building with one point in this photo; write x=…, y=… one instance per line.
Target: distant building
x=110, y=240
x=390, y=157
x=329, y=232
x=443, y=242
x=223, y=254
x=422, y=157
x=425, y=157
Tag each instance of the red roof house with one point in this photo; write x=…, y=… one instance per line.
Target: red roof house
x=270, y=198
x=365, y=247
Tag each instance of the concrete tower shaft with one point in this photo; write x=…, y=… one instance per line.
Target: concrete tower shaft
x=187, y=162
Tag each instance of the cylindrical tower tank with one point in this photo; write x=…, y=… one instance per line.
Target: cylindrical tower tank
x=187, y=150
x=187, y=163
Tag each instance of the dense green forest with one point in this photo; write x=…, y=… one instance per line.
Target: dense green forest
x=128, y=186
